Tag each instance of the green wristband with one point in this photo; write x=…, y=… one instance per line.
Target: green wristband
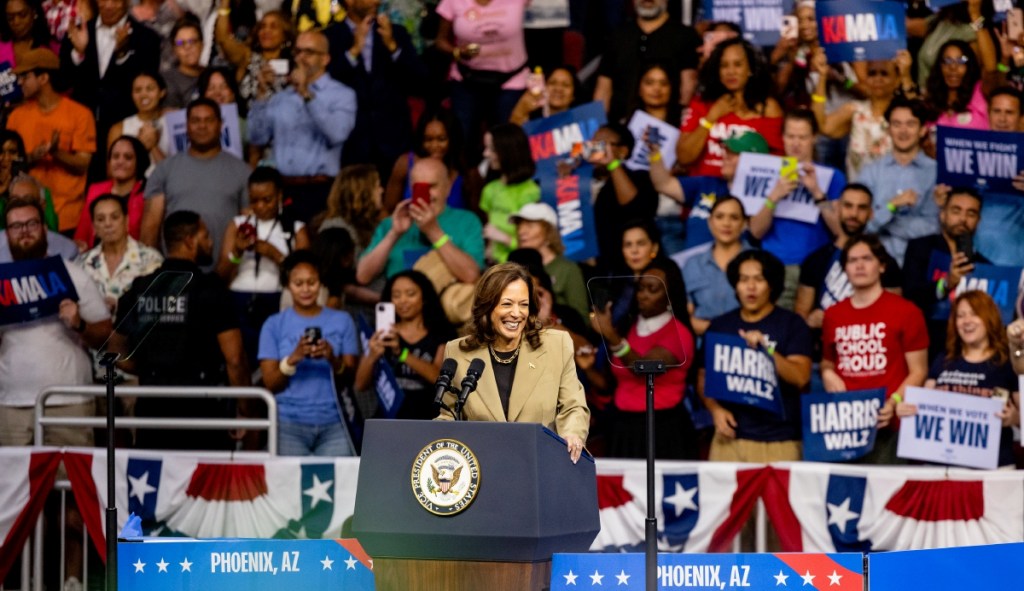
x=769, y=204
x=891, y=208
x=404, y=355
x=442, y=241
x=614, y=164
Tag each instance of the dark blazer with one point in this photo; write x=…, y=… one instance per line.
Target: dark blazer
x=545, y=389
x=110, y=97
x=383, y=124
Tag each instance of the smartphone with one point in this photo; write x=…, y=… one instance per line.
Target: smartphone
x=313, y=334
x=790, y=168
x=535, y=82
x=788, y=28
x=594, y=150
x=421, y=194
x=965, y=244
x=1014, y=24
x=280, y=67
x=385, y=316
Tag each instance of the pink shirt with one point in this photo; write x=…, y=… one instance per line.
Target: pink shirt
x=84, y=232
x=975, y=117
x=631, y=393
x=497, y=28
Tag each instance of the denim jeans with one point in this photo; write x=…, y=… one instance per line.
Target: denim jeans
x=296, y=439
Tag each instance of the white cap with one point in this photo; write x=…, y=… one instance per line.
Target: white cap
x=535, y=212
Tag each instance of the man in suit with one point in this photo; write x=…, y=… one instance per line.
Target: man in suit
x=529, y=374
x=100, y=58
x=375, y=58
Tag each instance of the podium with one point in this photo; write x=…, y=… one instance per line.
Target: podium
x=529, y=501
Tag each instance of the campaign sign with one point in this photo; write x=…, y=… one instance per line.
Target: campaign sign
x=389, y=393
x=860, y=30
x=951, y=428
x=735, y=372
x=551, y=141
x=10, y=90
x=760, y=20
x=659, y=133
x=756, y=176
x=840, y=427
x=977, y=158
x=230, y=132
x=166, y=564
x=842, y=572
x=947, y=569
x=33, y=289
x=999, y=282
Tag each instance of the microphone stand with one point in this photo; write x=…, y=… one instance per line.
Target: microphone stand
x=457, y=413
x=108, y=361
x=649, y=369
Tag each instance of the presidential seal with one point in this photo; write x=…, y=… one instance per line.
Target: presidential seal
x=445, y=477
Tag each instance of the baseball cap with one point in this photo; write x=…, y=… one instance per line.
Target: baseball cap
x=535, y=212
x=39, y=58
x=747, y=141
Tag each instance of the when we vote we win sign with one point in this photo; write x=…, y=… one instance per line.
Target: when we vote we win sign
x=735, y=372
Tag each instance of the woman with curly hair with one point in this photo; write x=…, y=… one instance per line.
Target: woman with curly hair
x=354, y=203
x=735, y=93
x=272, y=40
x=529, y=374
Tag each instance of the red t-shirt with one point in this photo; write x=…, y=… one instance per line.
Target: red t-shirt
x=631, y=393
x=709, y=163
x=868, y=345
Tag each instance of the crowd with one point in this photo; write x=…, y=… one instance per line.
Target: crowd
x=306, y=165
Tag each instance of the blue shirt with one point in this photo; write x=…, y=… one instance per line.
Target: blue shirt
x=707, y=287
x=305, y=137
x=463, y=227
x=886, y=179
x=310, y=398
x=793, y=240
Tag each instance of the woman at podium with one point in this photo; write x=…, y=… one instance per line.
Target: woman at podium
x=529, y=375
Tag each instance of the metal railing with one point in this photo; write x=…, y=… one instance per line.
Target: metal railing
x=32, y=562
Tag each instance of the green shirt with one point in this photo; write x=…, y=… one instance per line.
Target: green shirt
x=462, y=226
x=567, y=281
x=500, y=201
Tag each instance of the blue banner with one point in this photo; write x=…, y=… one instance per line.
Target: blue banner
x=842, y=572
x=987, y=160
x=33, y=289
x=734, y=372
x=10, y=90
x=389, y=393
x=859, y=30
x=1000, y=282
x=947, y=569
x=255, y=565
x=551, y=142
x=840, y=427
x=760, y=20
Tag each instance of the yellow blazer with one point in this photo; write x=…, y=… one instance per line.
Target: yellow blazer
x=545, y=389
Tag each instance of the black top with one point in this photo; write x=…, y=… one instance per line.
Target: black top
x=504, y=375
x=418, y=401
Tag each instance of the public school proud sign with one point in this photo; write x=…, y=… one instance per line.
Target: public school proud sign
x=33, y=289
x=840, y=427
x=735, y=372
x=856, y=30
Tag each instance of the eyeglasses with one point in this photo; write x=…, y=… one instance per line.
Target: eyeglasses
x=955, y=61
x=297, y=51
x=187, y=42
x=884, y=73
x=19, y=227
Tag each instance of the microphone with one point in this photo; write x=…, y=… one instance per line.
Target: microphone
x=444, y=379
x=476, y=368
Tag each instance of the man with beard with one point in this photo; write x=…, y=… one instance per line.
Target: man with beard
x=47, y=351
x=204, y=179
x=196, y=340
x=24, y=187
x=935, y=264
x=652, y=38
x=823, y=282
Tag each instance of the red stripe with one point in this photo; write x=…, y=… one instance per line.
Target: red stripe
x=749, y=484
x=821, y=566
x=939, y=500
x=79, y=467
x=780, y=512
x=228, y=482
x=41, y=473
x=611, y=493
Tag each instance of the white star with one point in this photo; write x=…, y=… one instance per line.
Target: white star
x=140, y=487
x=140, y=567
x=350, y=564
x=808, y=578
x=682, y=499
x=834, y=579
x=570, y=579
x=840, y=514
x=780, y=579
x=186, y=565
x=318, y=492
x=327, y=562
x=162, y=565
x=595, y=579
x=623, y=578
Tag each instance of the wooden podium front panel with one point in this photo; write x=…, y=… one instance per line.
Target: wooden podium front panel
x=398, y=574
